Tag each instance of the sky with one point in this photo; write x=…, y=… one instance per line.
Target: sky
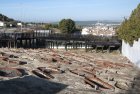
x=55, y=10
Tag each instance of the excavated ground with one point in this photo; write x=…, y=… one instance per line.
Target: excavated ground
x=47, y=71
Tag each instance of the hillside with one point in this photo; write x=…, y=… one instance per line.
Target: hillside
x=5, y=18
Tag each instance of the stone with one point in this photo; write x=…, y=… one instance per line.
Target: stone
x=23, y=71
x=24, y=57
x=9, y=72
x=122, y=85
x=22, y=62
x=54, y=60
x=13, y=56
x=30, y=58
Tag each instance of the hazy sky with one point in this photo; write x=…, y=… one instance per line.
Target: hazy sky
x=55, y=10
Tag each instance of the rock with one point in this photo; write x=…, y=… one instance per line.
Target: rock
x=27, y=57
x=23, y=71
x=9, y=72
x=110, y=78
x=30, y=58
x=13, y=56
x=24, y=57
x=22, y=62
x=122, y=85
x=54, y=60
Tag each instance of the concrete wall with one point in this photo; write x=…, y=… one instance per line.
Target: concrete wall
x=132, y=52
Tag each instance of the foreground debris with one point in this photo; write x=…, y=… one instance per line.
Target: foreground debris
x=82, y=72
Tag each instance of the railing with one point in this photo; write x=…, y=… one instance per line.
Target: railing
x=35, y=35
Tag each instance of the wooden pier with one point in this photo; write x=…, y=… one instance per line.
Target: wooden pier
x=68, y=41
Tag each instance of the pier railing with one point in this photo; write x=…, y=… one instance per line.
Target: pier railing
x=36, y=39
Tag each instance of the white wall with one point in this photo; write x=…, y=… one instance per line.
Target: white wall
x=1, y=24
x=132, y=53
x=85, y=31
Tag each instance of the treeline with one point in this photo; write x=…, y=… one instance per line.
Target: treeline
x=65, y=26
x=5, y=18
x=49, y=26
x=130, y=28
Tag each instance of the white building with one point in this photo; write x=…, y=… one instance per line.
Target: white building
x=85, y=31
x=99, y=30
x=19, y=24
x=43, y=31
x=1, y=24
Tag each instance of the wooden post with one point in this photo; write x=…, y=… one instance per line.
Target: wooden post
x=30, y=43
x=37, y=41
x=53, y=44
x=15, y=44
x=57, y=44
x=86, y=46
x=102, y=49
x=96, y=49
x=8, y=44
x=21, y=43
x=26, y=43
x=76, y=45
x=108, y=50
x=73, y=44
x=66, y=46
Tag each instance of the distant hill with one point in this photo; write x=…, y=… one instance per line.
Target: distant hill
x=89, y=23
x=5, y=18
x=94, y=22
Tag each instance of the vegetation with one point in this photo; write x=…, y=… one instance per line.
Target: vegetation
x=130, y=28
x=49, y=26
x=67, y=26
x=5, y=18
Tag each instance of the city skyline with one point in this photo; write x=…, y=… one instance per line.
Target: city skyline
x=55, y=10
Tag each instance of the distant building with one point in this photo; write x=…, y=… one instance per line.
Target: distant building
x=1, y=24
x=11, y=25
x=19, y=24
x=43, y=31
x=99, y=30
x=85, y=31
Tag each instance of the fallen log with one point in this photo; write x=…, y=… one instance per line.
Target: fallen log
x=46, y=72
x=74, y=72
x=89, y=82
x=99, y=82
x=49, y=70
x=93, y=73
x=40, y=74
x=77, y=72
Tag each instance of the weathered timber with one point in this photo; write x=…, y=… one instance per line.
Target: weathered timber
x=49, y=70
x=40, y=74
x=99, y=82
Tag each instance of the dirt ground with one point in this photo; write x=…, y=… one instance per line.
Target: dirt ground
x=49, y=71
